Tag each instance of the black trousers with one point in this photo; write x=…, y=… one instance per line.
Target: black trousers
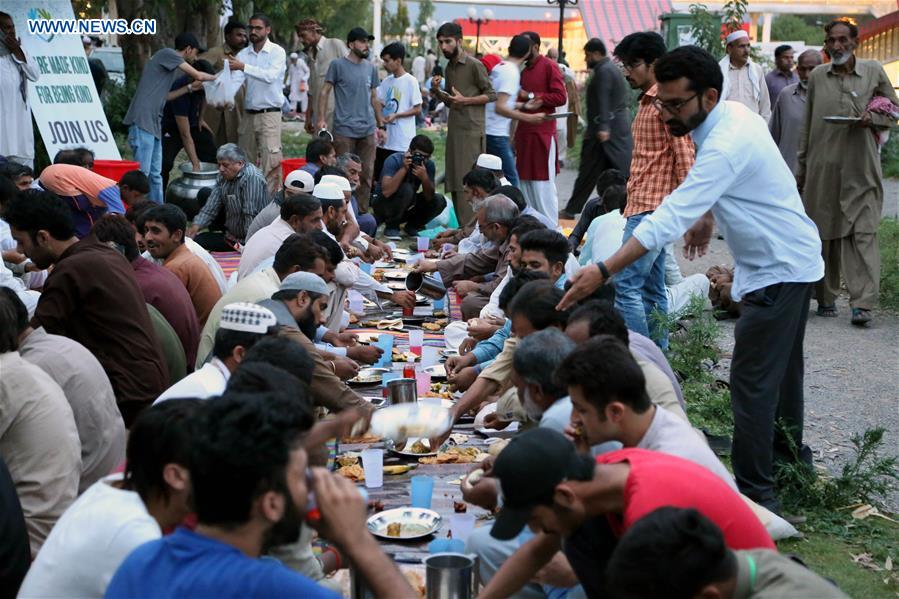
x=381, y=154
x=766, y=385
x=204, y=142
x=406, y=206
x=593, y=163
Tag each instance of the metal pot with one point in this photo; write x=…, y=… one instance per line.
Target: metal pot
x=428, y=286
x=183, y=191
x=451, y=576
x=402, y=391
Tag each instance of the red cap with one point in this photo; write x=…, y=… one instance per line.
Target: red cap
x=491, y=60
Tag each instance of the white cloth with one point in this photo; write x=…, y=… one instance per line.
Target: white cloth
x=550, y=223
x=297, y=75
x=506, y=79
x=198, y=250
x=264, y=74
x=399, y=95
x=603, y=237
x=208, y=381
x=747, y=86
x=474, y=242
x=16, y=134
x=28, y=297
x=264, y=244
x=681, y=294
x=542, y=195
x=741, y=177
x=418, y=69
x=89, y=542
x=491, y=310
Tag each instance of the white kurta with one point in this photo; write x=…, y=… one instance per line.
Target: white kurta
x=16, y=134
x=298, y=76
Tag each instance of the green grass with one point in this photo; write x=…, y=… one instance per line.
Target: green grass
x=889, y=156
x=888, y=238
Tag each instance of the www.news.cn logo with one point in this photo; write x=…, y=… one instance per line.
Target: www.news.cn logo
x=51, y=27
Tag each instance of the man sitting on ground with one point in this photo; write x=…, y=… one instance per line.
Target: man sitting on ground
x=241, y=325
x=297, y=182
x=351, y=165
x=477, y=185
x=134, y=187
x=164, y=232
x=407, y=193
x=320, y=152
x=678, y=552
x=300, y=213
x=119, y=513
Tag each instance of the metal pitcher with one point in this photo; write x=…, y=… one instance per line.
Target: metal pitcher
x=428, y=286
x=451, y=576
x=183, y=191
x=401, y=391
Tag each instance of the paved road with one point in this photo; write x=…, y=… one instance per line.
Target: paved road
x=852, y=374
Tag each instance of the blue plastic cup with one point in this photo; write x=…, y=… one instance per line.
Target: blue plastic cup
x=422, y=489
x=365, y=267
x=385, y=342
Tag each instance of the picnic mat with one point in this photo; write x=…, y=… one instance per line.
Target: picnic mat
x=229, y=261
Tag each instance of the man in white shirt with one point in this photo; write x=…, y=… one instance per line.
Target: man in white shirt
x=263, y=63
x=744, y=80
x=241, y=325
x=740, y=178
x=400, y=98
x=16, y=68
x=116, y=515
x=299, y=214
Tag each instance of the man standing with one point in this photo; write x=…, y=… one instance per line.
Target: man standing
x=298, y=82
x=265, y=63
x=740, y=178
x=744, y=81
x=225, y=122
x=607, y=139
x=355, y=83
x=399, y=96
x=466, y=92
x=788, y=115
x=16, y=134
x=782, y=75
x=322, y=51
x=839, y=171
x=660, y=163
x=542, y=90
x=144, y=114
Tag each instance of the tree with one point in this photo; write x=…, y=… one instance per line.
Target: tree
x=706, y=30
x=394, y=24
x=425, y=13
x=790, y=28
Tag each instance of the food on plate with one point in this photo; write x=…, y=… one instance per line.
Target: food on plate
x=397, y=469
x=403, y=356
x=367, y=438
x=378, y=274
x=455, y=455
x=355, y=472
x=475, y=476
x=347, y=459
x=419, y=447
x=459, y=438
x=376, y=505
x=394, y=529
x=497, y=447
x=439, y=314
x=354, y=319
x=416, y=581
x=460, y=507
x=431, y=326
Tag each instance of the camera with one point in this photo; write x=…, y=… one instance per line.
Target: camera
x=418, y=158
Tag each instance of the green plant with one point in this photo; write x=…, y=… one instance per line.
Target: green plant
x=888, y=238
x=792, y=28
x=889, y=156
x=706, y=29
x=116, y=99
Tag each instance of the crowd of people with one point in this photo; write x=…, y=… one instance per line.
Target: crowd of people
x=163, y=427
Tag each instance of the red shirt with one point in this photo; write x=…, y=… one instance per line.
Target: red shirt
x=532, y=142
x=659, y=480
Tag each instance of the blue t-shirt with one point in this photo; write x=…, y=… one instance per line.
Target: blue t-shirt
x=394, y=162
x=185, y=564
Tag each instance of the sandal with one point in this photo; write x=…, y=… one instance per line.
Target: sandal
x=827, y=311
x=861, y=317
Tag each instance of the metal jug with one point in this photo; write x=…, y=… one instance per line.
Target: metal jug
x=451, y=576
x=428, y=286
x=183, y=191
x=401, y=391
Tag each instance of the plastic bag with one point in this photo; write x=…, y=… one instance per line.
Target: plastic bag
x=221, y=91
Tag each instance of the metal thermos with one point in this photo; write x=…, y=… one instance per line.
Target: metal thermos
x=401, y=391
x=428, y=286
x=451, y=576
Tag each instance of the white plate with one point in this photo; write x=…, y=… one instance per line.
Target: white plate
x=368, y=376
x=842, y=120
x=397, y=285
x=437, y=371
x=410, y=454
x=426, y=521
x=411, y=420
x=396, y=275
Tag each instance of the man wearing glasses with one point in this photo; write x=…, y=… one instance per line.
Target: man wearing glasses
x=607, y=139
x=741, y=181
x=659, y=163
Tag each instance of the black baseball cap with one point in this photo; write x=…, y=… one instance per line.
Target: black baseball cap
x=358, y=33
x=186, y=39
x=528, y=469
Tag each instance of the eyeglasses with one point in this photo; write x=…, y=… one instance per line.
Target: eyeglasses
x=630, y=66
x=672, y=107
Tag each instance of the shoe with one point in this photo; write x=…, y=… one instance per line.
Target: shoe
x=827, y=311
x=411, y=231
x=392, y=234
x=861, y=317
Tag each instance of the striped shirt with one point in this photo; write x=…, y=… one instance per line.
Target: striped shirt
x=243, y=197
x=660, y=161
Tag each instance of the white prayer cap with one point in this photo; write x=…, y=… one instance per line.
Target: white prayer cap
x=490, y=162
x=342, y=183
x=736, y=35
x=247, y=317
x=294, y=55
x=327, y=191
x=300, y=180
x=86, y=40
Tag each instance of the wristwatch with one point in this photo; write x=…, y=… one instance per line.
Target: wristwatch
x=531, y=96
x=603, y=270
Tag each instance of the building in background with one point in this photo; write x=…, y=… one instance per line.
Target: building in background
x=879, y=40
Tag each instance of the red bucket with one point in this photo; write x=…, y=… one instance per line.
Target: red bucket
x=114, y=169
x=288, y=165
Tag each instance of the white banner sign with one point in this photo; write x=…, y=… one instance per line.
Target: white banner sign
x=64, y=100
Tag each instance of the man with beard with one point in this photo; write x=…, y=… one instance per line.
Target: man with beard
x=788, y=115
x=262, y=64
x=225, y=122
x=300, y=305
x=252, y=489
x=607, y=139
x=322, y=51
x=659, y=163
x=839, y=171
x=356, y=109
x=740, y=178
x=466, y=92
x=744, y=80
x=536, y=148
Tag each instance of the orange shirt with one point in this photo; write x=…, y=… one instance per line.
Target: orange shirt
x=201, y=285
x=659, y=162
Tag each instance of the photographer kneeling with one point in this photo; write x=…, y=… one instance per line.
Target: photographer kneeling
x=407, y=189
